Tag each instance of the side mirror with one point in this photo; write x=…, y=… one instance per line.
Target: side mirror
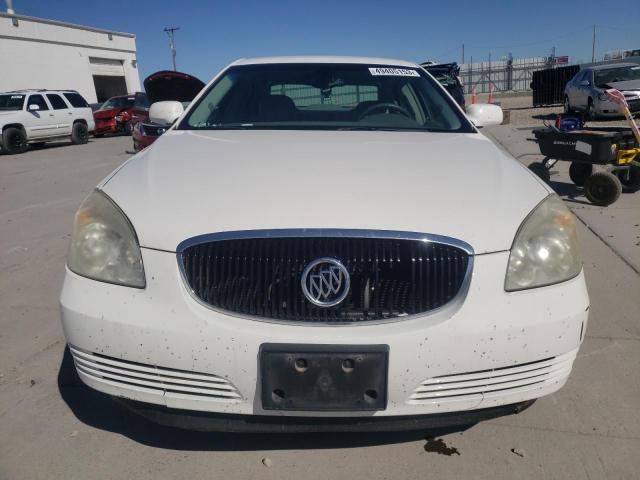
x=484, y=114
x=585, y=83
x=165, y=113
x=34, y=108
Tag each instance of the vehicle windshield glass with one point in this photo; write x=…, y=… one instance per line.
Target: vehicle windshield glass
x=11, y=102
x=122, y=102
x=326, y=97
x=611, y=75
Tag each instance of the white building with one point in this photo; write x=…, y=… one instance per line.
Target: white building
x=47, y=54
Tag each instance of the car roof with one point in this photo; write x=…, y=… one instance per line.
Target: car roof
x=324, y=59
x=39, y=90
x=612, y=65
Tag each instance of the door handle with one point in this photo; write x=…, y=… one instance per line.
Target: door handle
x=69, y=113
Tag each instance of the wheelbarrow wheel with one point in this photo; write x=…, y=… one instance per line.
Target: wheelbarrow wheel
x=541, y=171
x=602, y=188
x=579, y=172
x=630, y=179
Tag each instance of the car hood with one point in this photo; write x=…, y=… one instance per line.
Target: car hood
x=169, y=85
x=624, y=85
x=110, y=113
x=197, y=182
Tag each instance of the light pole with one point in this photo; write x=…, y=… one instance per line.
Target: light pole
x=172, y=43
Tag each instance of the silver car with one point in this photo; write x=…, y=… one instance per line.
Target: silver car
x=585, y=91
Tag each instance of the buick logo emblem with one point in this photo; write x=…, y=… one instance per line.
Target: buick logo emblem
x=325, y=282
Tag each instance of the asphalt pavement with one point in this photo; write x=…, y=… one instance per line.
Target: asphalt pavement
x=52, y=427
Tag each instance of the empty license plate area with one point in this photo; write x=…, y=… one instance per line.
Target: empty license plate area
x=324, y=377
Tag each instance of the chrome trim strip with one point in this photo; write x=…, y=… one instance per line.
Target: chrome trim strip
x=323, y=232
x=451, y=306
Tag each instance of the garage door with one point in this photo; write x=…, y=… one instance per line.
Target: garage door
x=106, y=67
x=108, y=77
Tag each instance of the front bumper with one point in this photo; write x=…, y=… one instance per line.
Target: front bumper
x=160, y=346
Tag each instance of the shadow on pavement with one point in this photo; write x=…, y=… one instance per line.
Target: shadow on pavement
x=100, y=411
x=569, y=192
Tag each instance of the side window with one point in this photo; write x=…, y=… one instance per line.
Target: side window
x=76, y=100
x=56, y=101
x=38, y=100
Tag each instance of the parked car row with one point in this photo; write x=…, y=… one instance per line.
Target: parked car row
x=34, y=117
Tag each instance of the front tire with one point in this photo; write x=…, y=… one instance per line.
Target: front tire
x=79, y=134
x=602, y=188
x=590, y=112
x=14, y=141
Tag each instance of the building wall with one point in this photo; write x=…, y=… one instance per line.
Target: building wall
x=42, y=54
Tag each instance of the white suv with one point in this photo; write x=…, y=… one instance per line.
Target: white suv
x=39, y=116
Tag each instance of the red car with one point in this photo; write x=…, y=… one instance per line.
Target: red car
x=160, y=86
x=114, y=116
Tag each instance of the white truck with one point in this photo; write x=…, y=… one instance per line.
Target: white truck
x=39, y=116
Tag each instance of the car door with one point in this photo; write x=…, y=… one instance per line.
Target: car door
x=41, y=120
x=572, y=87
x=62, y=113
x=582, y=90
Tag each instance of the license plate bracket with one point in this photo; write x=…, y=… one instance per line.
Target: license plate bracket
x=324, y=377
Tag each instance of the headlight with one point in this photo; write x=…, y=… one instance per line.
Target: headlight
x=104, y=245
x=545, y=249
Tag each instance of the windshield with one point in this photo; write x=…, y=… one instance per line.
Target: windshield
x=11, y=102
x=326, y=97
x=445, y=78
x=121, y=102
x=621, y=74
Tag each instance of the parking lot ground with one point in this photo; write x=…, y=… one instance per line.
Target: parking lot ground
x=51, y=427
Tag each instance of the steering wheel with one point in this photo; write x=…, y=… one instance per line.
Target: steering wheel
x=387, y=106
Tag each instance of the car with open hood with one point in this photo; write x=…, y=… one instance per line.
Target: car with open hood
x=114, y=116
x=585, y=91
x=323, y=243
x=448, y=74
x=161, y=86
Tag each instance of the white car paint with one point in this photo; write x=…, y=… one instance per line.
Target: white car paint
x=191, y=183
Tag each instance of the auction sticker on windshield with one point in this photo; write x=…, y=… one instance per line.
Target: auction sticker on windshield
x=397, y=72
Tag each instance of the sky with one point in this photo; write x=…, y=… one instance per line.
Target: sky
x=214, y=33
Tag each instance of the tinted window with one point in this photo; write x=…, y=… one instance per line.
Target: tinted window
x=76, y=100
x=326, y=96
x=56, y=101
x=11, y=102
x=38, y=100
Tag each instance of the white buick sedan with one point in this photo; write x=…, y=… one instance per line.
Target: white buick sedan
x=323, y=243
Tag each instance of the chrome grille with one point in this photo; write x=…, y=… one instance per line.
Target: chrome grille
x=261, y=277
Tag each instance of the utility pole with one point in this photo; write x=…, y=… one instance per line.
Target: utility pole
x=172, y=43
x=463, y=53
x=593, y=46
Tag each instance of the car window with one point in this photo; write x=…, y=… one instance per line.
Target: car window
x=117, y=102
x=11, y=102
x=76, y=100
x=56, y=101
x=38, y=100
x=620, y=74
x=325, y=96
x=141, y=101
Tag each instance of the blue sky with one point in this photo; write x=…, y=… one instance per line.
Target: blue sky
x=214, y=33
